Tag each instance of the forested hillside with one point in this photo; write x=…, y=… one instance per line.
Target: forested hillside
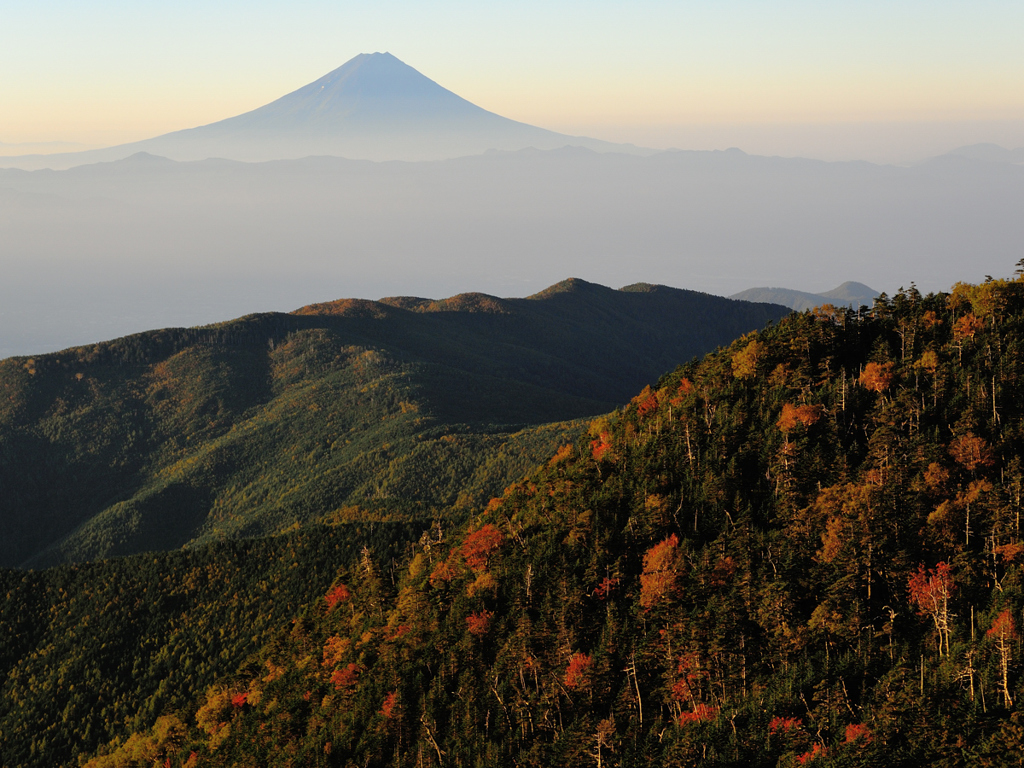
x=94, y=651
x=413, y=407
x=802, y=549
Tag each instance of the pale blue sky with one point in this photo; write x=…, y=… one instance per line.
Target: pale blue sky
x=655, y=73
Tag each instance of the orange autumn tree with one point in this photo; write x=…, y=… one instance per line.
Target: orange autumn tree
x=658, y=578
x=601, y=446
x=971, y=452
x=877, y=376
x=335, y=649
x=794, y=416
x=389, y=705
x=967, y=327
x=701, y=713
x=346, y=677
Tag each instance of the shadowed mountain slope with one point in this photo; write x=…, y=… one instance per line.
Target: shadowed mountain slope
x=406, y=407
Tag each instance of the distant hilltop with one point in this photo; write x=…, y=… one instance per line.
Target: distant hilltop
x=849, y=294
x=373, y=107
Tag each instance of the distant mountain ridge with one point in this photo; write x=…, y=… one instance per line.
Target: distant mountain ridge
x=215, y=238
x=417, y=407
x=849, y=294
x=373, y=107
x=989, y=153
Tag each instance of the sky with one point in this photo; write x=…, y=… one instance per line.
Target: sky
x=884, y=81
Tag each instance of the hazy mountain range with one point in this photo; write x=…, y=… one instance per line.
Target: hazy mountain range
x=103, y=250
x=849, y=294
x=991, y=153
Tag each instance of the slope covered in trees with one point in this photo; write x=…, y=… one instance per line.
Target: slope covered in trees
x=803, y=549
x=410, y=406
x=94, y=651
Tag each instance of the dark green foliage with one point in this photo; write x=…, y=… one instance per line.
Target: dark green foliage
x=98, y=650
x=735, y=569
x=407, y=406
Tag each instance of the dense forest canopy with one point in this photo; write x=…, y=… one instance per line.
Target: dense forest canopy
x=802, y=549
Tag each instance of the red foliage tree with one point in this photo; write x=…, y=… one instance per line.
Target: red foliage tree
x=857, y=732
x=812, y=754
x=390, y=703
x=604, y=590
x=930, y=592
x=1004, y=632
x=479, y=623
x=646, y=402
x=338, y=594
x=967, y=326
x=794, y=416
x=701, y=713
x=443, y=572
x=347, y=677
x=784, y=724
x=480, y=545
x=600, y=447
x=577, y=673
x=685, y=688
x=1008, y=552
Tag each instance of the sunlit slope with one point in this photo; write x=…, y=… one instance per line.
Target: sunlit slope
x=802, y=549
x=246, y=428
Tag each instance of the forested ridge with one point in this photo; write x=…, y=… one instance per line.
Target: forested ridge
x=802, y=549
x=413, y=407
x=93, y=651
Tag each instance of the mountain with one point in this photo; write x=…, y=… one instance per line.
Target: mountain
x=349, y=410
x=801, y=549
x=849, y=294
x=989, y=153
x=373, y=107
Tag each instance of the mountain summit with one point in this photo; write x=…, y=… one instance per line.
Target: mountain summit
x=373, y=107
x=373, y=89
